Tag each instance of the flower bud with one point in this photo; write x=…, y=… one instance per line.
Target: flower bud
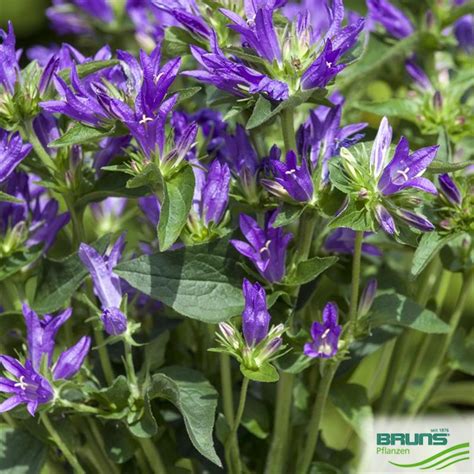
x=367, y=297
x=115, y=322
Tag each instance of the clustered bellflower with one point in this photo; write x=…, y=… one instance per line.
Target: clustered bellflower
x=12, y=152
x=381, y=185
x=107, y=284
x=211, y=195
x=266, y=247
x=295, y=56
x=325, y=335
x=33, y=221
x=32, y=382
x=260, y=344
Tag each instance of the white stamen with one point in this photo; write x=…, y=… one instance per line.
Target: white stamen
x=265, y=248
x=290, y=172
x=325, y=333
x=404, y=173
x=21, y=384
x=145, y=119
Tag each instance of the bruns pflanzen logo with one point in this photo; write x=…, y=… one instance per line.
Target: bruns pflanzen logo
x=429, y=444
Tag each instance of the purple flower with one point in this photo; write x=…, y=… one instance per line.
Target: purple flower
x=12, y=152
x=464, y=32
x=211, y=193
x=391, y=18
x=367, y=297
x=244, y=162
x=266, y=247
x=106, y=283
x=35, y=219
x=418, y=75
x=404, y=171
x=41, y=334
x=321, y=136
x=255, y=317
x=9, y=67
x=290, y=179
x=342, y=240
x=151, y=207
x=70, y=361
x=232, y=76
x=325, y=335
x=186, y=13
x=450, y=190
x=29, y=388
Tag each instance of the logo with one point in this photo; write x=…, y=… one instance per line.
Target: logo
x=428, y=444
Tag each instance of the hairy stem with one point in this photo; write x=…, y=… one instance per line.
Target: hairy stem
x=355, y=276
x=430, y=381
x=104, y=357
x=71, y=458
x=152, y=455
x=316, y=417
x=288, y=129
x=232, y=443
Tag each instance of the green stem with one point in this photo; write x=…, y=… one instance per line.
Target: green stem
x=226, y=386
x=276, y=459
x=288, y=129
x=97, y=437
x=424, y=394
x=131, y=370
x=304, y=238
x=31, y=136
x=98, y=457
x=104, y=357
x=153, y=455
x=232, y=443
x=316, y=416
x=356, y=275
x=79, y=234
x=72, y=460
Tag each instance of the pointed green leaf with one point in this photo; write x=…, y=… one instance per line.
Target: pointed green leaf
x=201, y=282
x=308, y=270
x=266, y=373
x=196, y=399
x=20, y=453
x=393, y=308
x=80, y=134
x=177, y=200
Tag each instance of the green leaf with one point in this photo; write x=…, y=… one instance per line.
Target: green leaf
x=261, y=113
x=266, y=373
x=119, y=444
x=353, y=404
x=201, y=282
x=256, y=418
x=401, y=108
x=114, y=399
x=196, y=399
x=429, y=246
x=187, y=93
x=20, y=453
x=287, y=215
x=61, y=278
x=80, y=134
x=308, y=270
x=111, y=184
x=145, y=426
x=18, y=260
x=461, y=352
x=455, y=393
x=355, y=216
x=439, y=167
x=4, y=197
x=393, y=308
x=177, y=200
x=85, y=69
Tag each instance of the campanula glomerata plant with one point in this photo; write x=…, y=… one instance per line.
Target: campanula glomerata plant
x=231, y=231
